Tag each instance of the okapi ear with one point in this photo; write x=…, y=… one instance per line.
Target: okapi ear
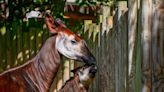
x=58, y=22
x=49, y=20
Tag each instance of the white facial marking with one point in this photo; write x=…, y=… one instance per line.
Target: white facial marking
x=65, y=46
x=84, y=75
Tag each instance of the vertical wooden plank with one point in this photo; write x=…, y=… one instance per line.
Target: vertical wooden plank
x=137, y=80
x=124, y=48
x=93, y=87
x=19, y=47
x=91, y=45
x=146, y=21
x=66, y=67
x=99, y=55
x=158, y=48
x=4, y=58
x=132, y=25
x=8, y=48
x=15, y=30
x=32, y=37
x=71, y=67
x=132, y=31
x=60, y=75
x=3, y=48
x=24, y=42
x=96, y=49
x=106, y=13
x=39, y=35
x=120, y=63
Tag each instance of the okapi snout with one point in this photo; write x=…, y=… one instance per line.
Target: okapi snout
x=89, y=60
x=88, y=57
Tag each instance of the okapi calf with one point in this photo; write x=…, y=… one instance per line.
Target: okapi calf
x=81, y=81
x=37, y=74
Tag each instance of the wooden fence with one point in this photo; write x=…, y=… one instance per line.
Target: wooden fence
x=20, y=41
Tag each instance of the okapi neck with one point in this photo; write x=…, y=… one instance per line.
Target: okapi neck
x=46, y=65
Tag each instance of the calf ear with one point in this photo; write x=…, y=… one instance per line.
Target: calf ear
x=49, y=20
x=76, y=69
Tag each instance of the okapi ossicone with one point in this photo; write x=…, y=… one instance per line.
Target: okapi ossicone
x=82, y=79
x=37, y=74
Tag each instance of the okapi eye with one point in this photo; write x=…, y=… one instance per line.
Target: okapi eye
x=73, y=42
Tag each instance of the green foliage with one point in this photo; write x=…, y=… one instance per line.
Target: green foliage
x=85, y=3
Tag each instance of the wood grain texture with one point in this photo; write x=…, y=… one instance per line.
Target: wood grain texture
x=158, y=49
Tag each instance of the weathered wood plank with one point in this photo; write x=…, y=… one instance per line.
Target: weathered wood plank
x=158, y=49
x=132, y=33
x=146, y=59
x=120, y=61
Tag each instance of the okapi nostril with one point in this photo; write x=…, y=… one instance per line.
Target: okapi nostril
x=93, y=70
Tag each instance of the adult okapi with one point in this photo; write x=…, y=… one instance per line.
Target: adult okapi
x=82, y=79
x=37, y=74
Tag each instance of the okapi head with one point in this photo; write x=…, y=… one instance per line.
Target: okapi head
x=68, y=43
x=86, y=74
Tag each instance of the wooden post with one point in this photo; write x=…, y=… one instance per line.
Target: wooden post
x=146, y=20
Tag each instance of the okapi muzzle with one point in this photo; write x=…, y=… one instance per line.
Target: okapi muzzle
x=68, y=43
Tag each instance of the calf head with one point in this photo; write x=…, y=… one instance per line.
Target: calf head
x=86, y=74
x=68, y=43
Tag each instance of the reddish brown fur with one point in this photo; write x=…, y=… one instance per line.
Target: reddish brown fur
x=60, y=27
x=73, y=85
x=36, y=75
x=68, y=32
